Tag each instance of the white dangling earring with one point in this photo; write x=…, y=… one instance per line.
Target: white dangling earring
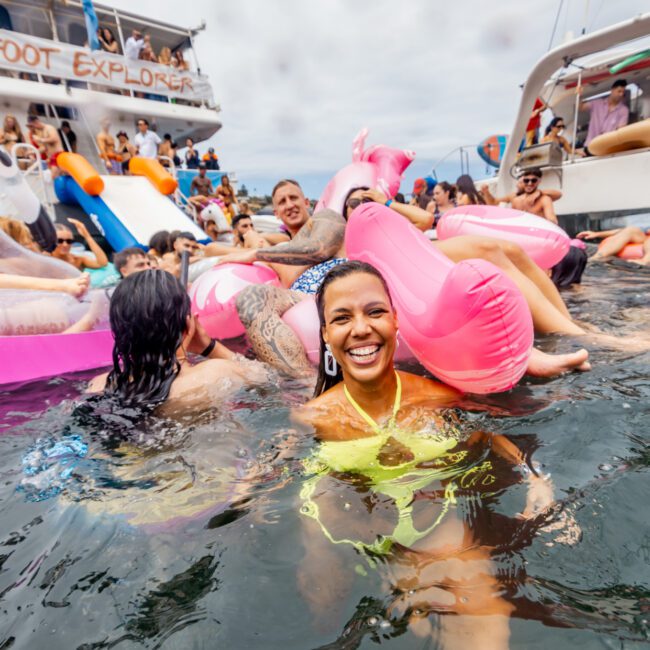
x=396, y=339
x=331, y=367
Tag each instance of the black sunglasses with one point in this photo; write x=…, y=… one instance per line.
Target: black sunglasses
x=63, y=240
x=529, y=181
x=353, y=204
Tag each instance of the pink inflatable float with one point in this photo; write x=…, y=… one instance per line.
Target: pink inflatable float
x=466, y=323
x=378, y=167
x=544, y=242
x=628, y=252
x=213, y=296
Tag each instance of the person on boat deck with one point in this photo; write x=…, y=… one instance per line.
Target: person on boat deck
x=65, y=239
x=107, y=40
x=211, y=159
x=168, y=150
x=68, y=137
x=607, y=113
x=11, y=133
x=317, y=245
x=133, y=45
x=150, y=318
x=390, y=448
x=131, y=260
x=553, y=133
x=46, y=139
x=528, y=197
x=146, y=141
x=106, y=146
x=125, y=150
x=619, y=238
x=226, y=193
x=201, y=190
x=532, y=128
x=192, y=158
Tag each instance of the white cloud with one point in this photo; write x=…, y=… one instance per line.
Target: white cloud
x=297, y=79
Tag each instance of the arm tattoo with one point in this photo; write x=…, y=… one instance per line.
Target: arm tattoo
x=314, y=243
x=260, y=308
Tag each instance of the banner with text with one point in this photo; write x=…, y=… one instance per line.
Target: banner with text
x=54, y=59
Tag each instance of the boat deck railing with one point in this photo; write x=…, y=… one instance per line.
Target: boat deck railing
x=28, y=159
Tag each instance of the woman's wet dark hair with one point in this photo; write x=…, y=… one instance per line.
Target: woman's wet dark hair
x=148, y=317
x=324, y=381
x=160, y=242
x=465, y=184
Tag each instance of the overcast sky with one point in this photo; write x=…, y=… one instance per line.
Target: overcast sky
x=297, y=79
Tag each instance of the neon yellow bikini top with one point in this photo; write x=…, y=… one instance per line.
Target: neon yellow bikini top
x=400, y=482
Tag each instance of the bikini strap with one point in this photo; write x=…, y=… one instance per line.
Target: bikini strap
x=396, y=406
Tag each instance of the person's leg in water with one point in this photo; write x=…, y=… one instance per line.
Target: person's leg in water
x=616, y=243
x=550, y=315
x=260, y=309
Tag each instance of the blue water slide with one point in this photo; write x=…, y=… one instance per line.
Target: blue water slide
x=69, y=192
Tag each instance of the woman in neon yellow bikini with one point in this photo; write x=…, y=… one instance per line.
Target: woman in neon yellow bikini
x=386, y=435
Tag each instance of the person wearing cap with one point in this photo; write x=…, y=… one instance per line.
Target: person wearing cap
x=421, y=196
x=211, y=159
x=607, y=113
x=201, y=190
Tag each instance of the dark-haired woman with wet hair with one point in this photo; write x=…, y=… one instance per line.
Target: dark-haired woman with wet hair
x=394, y=477
x=154, y=331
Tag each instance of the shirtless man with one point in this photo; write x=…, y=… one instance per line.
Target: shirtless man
x=316, y=246
x=528, y=198
x=46, y=139
x=106, y=145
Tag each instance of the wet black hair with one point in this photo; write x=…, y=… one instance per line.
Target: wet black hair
x=554, y=122
x=160, y=242
x=465, y=184
x=363, y=188
x=399, y=198
x=324, y=381
x=121, y=259
x=148, y=316
x=570, y=268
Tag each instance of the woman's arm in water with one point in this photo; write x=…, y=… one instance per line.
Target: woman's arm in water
x=421, y=219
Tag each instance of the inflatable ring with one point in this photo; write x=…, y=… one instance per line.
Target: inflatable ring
x=545, y=243
x=628, y=252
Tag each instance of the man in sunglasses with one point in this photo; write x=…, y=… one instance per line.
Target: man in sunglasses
x=528, y=198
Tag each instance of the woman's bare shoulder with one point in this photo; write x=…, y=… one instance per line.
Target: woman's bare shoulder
x=418, y=389
x=321, y=412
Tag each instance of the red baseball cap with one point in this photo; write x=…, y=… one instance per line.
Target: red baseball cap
x=419, y=185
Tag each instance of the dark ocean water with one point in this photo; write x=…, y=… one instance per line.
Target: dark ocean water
x=189, y=536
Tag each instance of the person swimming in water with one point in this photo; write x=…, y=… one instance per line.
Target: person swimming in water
x=388, y=437
x=154, y=331
x=619, y=238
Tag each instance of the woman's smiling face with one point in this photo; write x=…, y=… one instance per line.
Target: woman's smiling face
x=360, y=326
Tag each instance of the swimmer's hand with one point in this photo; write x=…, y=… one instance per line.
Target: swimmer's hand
x=587, y=234
x=200, y=341
x=81, y=229
x=246, y=256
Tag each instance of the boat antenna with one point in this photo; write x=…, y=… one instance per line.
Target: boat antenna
x=557, y=20
x=584, y=27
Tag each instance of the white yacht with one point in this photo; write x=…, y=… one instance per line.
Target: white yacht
x=47, y=69
x=599, y=192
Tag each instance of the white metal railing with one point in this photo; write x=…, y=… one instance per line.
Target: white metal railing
x=30, y=164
